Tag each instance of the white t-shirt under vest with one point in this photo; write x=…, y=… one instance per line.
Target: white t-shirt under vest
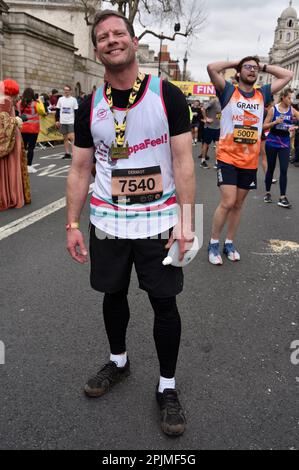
x=133, y=197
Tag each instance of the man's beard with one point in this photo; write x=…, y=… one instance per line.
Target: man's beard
x=249, y=82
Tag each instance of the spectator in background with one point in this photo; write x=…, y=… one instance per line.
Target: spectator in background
x=30, y=109
x=53, y=99
x=81, y=97
x=65, y=118
x=14, y=181
x=195, y=124
x=44, y=97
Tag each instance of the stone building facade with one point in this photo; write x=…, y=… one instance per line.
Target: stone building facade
x=285, y=50
x=36, y=54
x=46, y=43
x=42, y=54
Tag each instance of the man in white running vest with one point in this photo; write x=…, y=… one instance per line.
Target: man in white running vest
x=138, y=130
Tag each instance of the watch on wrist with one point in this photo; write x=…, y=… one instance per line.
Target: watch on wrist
x=72, y=225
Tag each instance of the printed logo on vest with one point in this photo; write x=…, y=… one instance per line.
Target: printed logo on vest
x=102, y=114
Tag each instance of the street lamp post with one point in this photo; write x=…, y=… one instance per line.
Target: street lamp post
x=185, y=66
x=159, y=68
x=177, y=28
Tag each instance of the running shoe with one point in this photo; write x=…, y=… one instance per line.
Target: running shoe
x=67, y=156
x=31, y=169
x=204, y=165
x=274, y=181
x=215, y=166
x=207, y=157
x=173, y=421
x=283, y=202
x=267, y=197
x=230, y=251
x=105, y=378
x=214, y=254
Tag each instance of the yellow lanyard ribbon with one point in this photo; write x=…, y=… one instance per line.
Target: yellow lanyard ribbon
x=120, y=129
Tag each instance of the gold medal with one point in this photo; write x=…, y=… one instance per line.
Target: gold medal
x=120, y=148
x=119, y=152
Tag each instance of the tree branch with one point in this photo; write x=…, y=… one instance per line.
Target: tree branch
x=162, y=36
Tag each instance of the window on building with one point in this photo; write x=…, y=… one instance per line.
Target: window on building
x=78, y=89
x=280, y=35
x=288, y=37
x=290, y=24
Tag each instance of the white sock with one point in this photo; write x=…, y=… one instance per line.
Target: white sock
x=166, y=383
x=228, y=241
x=119, y=359
x=214, y=241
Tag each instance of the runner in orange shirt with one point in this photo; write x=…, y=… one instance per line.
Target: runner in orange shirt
x=239, y=144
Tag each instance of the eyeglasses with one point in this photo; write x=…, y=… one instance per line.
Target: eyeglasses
x=251, y=67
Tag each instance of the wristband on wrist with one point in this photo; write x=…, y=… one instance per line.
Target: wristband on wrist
x=72, y=225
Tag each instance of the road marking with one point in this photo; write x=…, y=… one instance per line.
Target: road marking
x=23, y=222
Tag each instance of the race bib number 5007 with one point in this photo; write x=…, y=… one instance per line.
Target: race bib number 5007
x=245, y=134
x=137, y=185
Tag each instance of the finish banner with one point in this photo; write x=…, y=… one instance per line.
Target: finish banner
x=196, y=88
x=48, y=129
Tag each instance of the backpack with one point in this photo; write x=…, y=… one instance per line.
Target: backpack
x=8, y=126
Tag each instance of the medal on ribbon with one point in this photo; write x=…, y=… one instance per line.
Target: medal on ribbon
x=120, y=147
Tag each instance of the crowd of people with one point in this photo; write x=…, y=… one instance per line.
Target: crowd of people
x=139, y=131
x=24, y=131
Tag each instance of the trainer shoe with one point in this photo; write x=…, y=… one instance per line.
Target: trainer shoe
x=214, y=254
x=267, y=197
x=105, y=378
x=274, y=181
x=283, y=202
x=173, y=420
x=230, y=251
x=31, y=169
x=204, y=165
x=66, y=156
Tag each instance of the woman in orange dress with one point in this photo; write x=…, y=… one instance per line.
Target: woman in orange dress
x=14, y=180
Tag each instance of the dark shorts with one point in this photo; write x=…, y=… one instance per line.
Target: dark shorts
x=195, y=124
x=211, y=135
x=66, y=129
x=234, y=176
x=112, y=261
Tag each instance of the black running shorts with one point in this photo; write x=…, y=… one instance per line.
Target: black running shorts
x=112, y=261
x=231, y=175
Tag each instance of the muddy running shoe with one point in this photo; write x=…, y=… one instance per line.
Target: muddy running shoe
x=267, y=198
x=283, y=202
x=105, y=378
x=173, y=420
x=230, y=251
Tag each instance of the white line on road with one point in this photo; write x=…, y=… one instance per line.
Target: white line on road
x=23, y=222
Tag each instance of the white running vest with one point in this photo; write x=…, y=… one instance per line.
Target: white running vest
x=133, y=197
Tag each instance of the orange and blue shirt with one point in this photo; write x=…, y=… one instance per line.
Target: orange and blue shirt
x=241, y=125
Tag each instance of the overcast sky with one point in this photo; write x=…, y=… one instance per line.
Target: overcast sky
x=231, y=31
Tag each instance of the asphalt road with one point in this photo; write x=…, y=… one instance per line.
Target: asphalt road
x=236, y=379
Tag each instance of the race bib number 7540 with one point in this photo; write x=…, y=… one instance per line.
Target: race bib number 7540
x=137, y=185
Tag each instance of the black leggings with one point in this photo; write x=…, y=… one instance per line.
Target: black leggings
x=29, y=144
x=167, y=328
x=283, y=155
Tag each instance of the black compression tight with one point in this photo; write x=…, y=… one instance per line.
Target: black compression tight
x=167, y=328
